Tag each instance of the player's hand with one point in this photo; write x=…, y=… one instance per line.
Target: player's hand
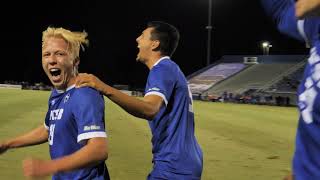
x=307, y=8
x=289, y=177
x=84, y=79
x=3, y=147
x=36, y=168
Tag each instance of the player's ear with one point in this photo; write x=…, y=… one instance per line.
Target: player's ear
x=155, y=44
x=77, y=61
x=76, y=65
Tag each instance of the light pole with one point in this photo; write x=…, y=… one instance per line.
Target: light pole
x=266, y=47
x=209, y=28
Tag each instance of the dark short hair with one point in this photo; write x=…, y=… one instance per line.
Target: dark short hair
x=167, y=34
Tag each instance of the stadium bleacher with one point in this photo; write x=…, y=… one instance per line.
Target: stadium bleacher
x=272, y=74
x=215, y=74
x=288, y=83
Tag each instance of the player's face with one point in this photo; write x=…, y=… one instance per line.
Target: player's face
x=145, y=45
x=57, y=62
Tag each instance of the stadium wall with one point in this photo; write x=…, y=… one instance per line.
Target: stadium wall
x=10, y=86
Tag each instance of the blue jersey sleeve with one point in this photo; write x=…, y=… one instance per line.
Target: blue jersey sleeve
x=282, y=13
x=88, y=113
x=47, y=118
x=161, y=82
x=46, y=121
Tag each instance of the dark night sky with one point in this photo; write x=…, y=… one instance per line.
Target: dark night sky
x=239, y=26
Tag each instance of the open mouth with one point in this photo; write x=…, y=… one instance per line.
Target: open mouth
x=56, y=75
x=55, y=72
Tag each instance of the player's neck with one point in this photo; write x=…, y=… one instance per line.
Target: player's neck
x=71, y=82
x=69, y=85
x=153, y=60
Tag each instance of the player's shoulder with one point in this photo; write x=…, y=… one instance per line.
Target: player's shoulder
x=167, y=62
x=166, y=66
x=86, y=92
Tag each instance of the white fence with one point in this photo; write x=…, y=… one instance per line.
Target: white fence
x=10, y=86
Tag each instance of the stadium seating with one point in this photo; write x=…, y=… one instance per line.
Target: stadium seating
x=215, y=74
x=288, y=83
x=270, y=76
x=254, y=77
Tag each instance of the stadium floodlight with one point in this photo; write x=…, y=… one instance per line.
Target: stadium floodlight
x=266, y=47
x=209, y=29
x=265, y=44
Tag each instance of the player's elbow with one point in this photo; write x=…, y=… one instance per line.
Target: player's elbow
x=149, y=117
x=151, y=106
x=100, y=149
x=104, y=155
x=101, y=154
x=151, y=114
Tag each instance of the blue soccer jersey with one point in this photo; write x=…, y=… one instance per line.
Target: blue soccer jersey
x=74, y=116
x=175, y=148
x=306, y=160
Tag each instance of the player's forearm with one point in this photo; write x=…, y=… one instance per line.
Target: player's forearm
x=94, y=152
x=34, y=137
x=132, y=105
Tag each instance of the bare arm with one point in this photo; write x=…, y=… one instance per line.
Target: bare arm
x=34, y=137
x=146, y=108
x=94, y=152
x=307, y=8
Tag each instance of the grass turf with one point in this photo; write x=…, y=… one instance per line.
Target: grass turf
x=238, y=141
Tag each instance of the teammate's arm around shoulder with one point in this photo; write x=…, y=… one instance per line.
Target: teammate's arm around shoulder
x=34, y=137
x=145, y=108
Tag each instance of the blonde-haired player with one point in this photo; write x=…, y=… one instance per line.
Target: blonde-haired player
x=74, y=125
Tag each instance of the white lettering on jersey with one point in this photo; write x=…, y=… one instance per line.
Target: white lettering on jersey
x=307, y=98
x=92, y=127
x=154, y=89
x=56, y=114
x=51, y=135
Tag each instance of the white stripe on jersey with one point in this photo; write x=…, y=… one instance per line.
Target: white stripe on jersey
x=158, y=94
x=302, y=33
x=89, y=135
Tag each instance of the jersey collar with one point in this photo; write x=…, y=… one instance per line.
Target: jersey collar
x=70, y=87
x=164, y=57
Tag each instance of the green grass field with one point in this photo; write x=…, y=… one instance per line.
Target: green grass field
x=241, y=142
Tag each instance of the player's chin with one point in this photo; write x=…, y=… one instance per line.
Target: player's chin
x=57, y=85
x=140, y=58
